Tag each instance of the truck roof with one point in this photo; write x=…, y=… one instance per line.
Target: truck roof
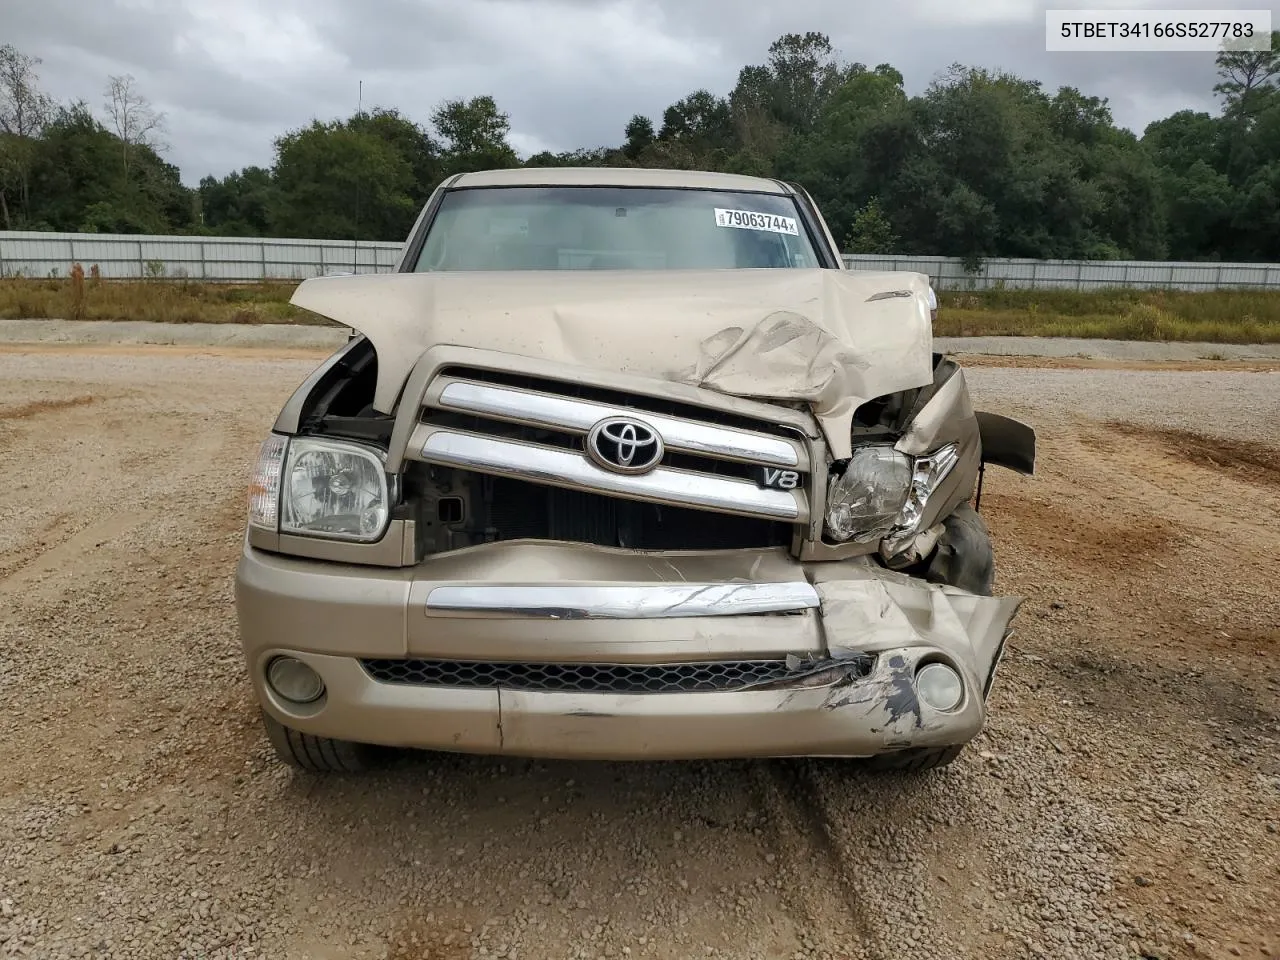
x=618, y=177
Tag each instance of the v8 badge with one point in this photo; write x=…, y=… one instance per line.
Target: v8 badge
x=772, y=478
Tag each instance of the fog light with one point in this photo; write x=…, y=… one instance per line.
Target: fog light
x=294, y=680
x=939, y=686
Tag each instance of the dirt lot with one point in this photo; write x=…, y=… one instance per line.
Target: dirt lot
x=1124, y=801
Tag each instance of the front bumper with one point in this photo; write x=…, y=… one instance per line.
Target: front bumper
x=854, y=633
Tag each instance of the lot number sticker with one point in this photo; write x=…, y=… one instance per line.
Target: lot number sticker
x=748, y=220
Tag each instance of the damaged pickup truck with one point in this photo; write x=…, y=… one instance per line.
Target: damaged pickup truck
x=625, y=464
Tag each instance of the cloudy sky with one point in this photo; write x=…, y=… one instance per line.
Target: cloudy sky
x=230, y=75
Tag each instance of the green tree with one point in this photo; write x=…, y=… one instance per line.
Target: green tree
x=338, y=181
x=871, y=231
x=1255, y=224
x=1128, y=216
x=239, y=204
x=1248, y=86
x=639, y=135
x=699, y=124
x=24, y=111
x=674, y=154
x=77, y=165
x=801, y=73
x=760, y=135
x=837, y=160
x=1186, y=138
x=1080, y=119
x=1005, y=180
x=1248, y=77
x=583, y=157
x=1191, y=151
x=778, y=103
x=1256, y=218
x=475, y=133
x=1199, y=205
x=78, y=182
x=412, y=141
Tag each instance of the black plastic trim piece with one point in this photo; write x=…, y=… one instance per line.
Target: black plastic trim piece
x=1007, y=443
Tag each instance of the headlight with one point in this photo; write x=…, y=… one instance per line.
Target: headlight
x=334, y=489
x=928, y=473
x=264, y=484
x=883, y=492
x=864, y=502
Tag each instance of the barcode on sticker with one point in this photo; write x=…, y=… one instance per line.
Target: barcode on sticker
x=750, y=220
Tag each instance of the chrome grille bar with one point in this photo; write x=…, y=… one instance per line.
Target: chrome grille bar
x=578, y=416
x=557, y=467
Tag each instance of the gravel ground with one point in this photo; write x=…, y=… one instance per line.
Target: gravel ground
x=1123, y=802
x=1106, y=349
x=1241, y=405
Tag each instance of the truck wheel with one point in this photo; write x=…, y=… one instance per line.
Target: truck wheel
x=315, y=754
x=964, y=557
x=915, y=760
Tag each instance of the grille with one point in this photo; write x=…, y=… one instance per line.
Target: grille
x=637, y=402
x=580, y=677
x=566, y=441
x=520, y=509
x=526, y=471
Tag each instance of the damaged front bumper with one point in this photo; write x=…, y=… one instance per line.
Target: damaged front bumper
x=560, y=650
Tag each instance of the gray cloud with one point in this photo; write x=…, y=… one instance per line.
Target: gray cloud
x=233, y=74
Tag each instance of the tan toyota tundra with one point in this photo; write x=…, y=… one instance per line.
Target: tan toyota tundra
x=625, y=464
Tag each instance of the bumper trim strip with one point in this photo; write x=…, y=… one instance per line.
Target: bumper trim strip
x=625, y=602
x=676, y=488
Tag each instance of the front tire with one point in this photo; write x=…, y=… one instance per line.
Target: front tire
x=964, y=557
x=303, y=751
x=914, y=760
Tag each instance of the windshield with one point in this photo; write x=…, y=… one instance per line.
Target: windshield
x=614, y=228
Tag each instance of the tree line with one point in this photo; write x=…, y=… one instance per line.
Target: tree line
x=981, y=164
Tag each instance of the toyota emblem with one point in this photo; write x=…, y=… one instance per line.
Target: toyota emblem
x=624, y=445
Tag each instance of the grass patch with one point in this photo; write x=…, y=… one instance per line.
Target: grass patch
x=161, y=301
x=1220, y=316
x=1216, y=316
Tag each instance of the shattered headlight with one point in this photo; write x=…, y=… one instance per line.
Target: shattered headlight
x=865, y=501
x=927, y=475
x=883, y=492
x=321, y=488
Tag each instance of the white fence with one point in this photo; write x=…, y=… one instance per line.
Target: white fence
x=948, y=273
x=33, y=254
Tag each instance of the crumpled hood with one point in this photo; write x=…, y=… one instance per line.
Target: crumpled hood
x=831, y=338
